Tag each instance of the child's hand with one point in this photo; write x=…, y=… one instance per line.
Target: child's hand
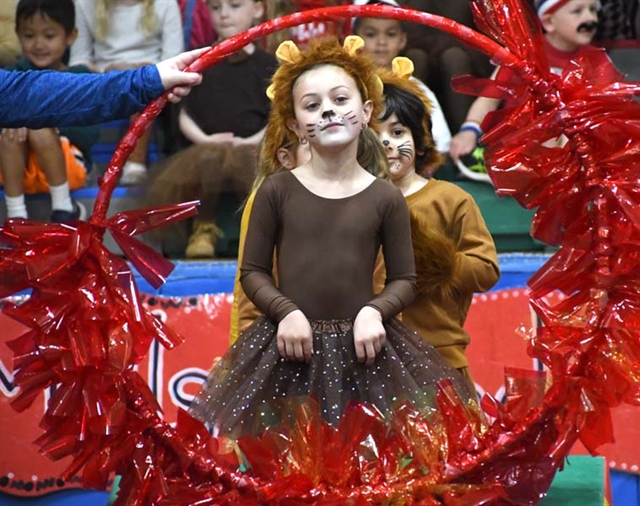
x=14, y=134
x=368, y=334
x=215, y=362
x=462, y=144
x=295, y=337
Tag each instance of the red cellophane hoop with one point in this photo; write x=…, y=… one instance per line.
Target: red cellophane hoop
x=88, y=329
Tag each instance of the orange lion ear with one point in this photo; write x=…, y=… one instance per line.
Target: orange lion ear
x=379, y=86
x=402, y=67
x=287, y=52
x=271, y=92
x=353, y=45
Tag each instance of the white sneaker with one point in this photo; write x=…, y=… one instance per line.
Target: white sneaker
x=133, y=173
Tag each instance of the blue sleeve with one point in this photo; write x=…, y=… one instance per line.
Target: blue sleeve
x=52, y=99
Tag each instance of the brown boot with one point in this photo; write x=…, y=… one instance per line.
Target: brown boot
x=202, y=241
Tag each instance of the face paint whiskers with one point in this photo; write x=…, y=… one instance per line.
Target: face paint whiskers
x=405, y=150
x=351, y=116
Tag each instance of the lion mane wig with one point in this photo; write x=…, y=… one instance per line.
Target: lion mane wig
x=293, y=63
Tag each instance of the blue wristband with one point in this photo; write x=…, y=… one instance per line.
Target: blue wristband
x=471, y=127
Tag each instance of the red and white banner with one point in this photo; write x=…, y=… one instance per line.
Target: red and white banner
x=174, y=376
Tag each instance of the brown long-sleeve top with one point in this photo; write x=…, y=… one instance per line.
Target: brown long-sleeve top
x=326, y=250
x=450, y=210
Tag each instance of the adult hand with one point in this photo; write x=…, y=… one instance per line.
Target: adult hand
x=462, y=144
x=295, y=337
x=175, y=79
x=369, y=334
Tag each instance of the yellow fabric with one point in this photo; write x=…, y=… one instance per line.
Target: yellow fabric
x=452, y=211
x=9, y=45
x=35, y=180
x=243, y=311
x=240, y=300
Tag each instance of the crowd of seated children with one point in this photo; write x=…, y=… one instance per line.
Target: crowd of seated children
x=123, y=34
x=223, y=119
x=222, y=122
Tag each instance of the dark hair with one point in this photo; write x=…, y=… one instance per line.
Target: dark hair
x=410, y=111
x=62, y=12
x=357, y=22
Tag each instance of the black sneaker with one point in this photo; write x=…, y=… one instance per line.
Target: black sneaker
x=79, y=213
x=472, y=166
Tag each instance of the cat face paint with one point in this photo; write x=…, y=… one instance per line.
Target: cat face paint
x=328, y=107
x=398, y=144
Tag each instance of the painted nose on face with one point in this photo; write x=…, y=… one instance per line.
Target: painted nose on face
x=386, y=144
x=328, y=113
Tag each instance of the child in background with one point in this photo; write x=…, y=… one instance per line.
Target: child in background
x=224, y=118
x=324, y=334
x=125, y=34
x=230, y=106
x=439, y=56
x=569, y=27
x=454, y=253
x=384, y=39
x=49, y=159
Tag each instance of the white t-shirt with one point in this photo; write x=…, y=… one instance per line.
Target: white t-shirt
x=126, y=41
x=439, y=127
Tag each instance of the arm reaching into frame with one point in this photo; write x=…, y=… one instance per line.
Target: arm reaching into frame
x=49, y=98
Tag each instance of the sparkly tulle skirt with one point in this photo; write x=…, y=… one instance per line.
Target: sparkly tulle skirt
x=252, y=388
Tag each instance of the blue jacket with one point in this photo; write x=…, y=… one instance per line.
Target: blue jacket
x=53, y=99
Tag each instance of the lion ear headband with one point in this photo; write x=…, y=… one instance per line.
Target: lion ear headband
x=401, y=76
x=289, y=53
x=402, y=67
